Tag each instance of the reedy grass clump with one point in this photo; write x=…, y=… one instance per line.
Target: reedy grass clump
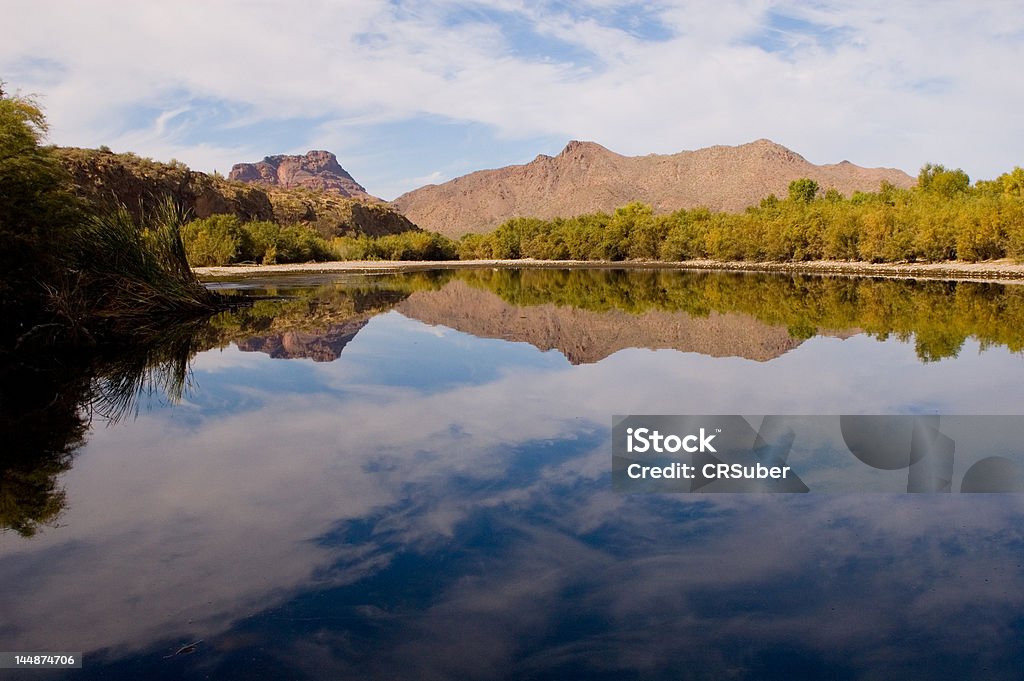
x=122, y=277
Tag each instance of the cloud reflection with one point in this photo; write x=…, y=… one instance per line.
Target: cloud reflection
x=469, y=531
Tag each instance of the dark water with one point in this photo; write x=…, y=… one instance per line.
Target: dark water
x=409, y=477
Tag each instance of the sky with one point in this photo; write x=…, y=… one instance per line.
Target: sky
x=408, y=93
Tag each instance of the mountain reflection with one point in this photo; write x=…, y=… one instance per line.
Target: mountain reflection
x=938, y=315
x=589, y=314
x=586, y=315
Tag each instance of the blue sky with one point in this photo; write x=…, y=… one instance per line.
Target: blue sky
x=411, y=92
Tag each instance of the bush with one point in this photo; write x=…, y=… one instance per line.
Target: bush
x=474, y=247
x=216, y=240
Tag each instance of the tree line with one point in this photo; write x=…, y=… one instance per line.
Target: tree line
x=943, y=218
x=225, y=239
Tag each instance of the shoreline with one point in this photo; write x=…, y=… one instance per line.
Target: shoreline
x=992, y=271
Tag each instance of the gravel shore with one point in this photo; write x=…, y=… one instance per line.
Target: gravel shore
x=1005, y=271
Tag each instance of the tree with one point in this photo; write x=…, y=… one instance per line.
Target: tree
x=30, y=177
x=35, y=212
x=935, y=179
x=803, y=190
x=1013, y=182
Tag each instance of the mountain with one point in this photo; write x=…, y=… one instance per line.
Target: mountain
x=318, y=170
x=586, y=177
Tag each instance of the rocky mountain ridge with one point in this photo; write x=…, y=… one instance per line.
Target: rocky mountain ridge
x=586, y=177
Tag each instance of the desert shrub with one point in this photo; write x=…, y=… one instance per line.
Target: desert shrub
x=474, y=247
x=352, y=247
x=416, y=246
x=216, y=240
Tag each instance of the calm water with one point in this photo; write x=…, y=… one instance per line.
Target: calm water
x=409, y=477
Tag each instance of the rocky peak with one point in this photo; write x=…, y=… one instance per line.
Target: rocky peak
x=314, y=170
x=773, y=151
x=578, y=150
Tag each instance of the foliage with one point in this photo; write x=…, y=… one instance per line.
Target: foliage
x=268, y=243
x=216, y=240
x=223, y=239
x=36, y=212
x=944, y=220
x=405, y=246
x=75, y=273
x=803, y=190
x=935, y=179
x=123, y=276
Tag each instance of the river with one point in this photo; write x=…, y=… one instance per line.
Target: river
x=409, y=476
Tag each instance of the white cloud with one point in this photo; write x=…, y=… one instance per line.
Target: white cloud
x=878, y=83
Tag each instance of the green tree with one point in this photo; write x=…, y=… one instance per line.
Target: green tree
x=803, y=190
x=1013, y=182
x=36, y=213
x=935, y=179
x=216, y=240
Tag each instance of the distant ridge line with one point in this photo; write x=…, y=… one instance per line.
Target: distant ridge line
x=586, y=177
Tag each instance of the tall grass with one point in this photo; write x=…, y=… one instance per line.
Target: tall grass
x=128, y=277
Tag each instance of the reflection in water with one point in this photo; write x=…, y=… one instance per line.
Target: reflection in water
x=41, y=427
x=939, y=315
x=436, y=501
x=47, y=404
x=588, y=315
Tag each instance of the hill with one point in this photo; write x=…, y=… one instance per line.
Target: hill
x=586, y=177
x=104, y=179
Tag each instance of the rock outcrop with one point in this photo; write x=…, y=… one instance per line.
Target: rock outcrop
x=586, y=177
x=317, y=170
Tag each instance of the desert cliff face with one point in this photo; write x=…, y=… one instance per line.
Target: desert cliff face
x=586, y=177
x=586, y=337
x=318, y=170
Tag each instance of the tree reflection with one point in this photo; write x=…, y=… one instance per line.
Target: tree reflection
x=48, y=403
x=938, y=315
x=49, y=399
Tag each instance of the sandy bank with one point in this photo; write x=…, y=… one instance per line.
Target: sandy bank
x=1006, y=271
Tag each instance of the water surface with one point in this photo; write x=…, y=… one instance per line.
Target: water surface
x=409, y=476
